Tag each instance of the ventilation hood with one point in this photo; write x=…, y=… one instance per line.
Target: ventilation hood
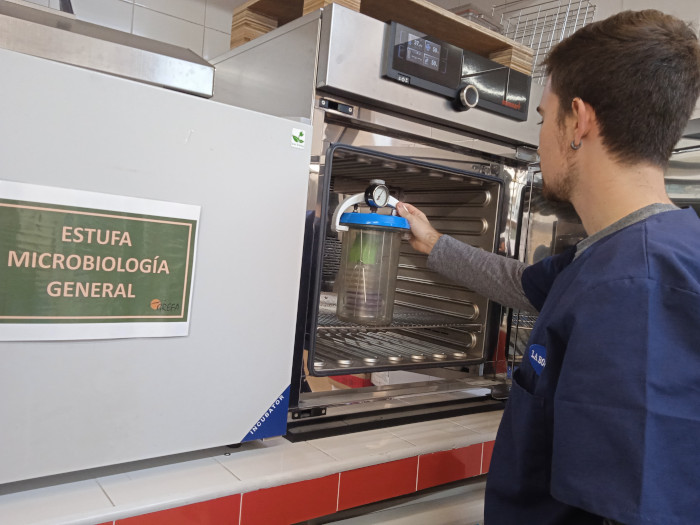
x=57, y=37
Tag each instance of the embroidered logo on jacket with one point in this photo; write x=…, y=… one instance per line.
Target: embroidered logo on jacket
x=538, y=357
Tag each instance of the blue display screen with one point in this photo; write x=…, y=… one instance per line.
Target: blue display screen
x=422, y=51
x=424, y=58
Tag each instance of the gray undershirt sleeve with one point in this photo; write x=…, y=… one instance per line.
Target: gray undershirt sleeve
x=486, y=273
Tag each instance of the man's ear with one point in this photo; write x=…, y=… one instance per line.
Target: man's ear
x=585, y=119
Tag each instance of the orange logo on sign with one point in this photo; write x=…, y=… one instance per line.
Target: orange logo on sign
x=155, y=304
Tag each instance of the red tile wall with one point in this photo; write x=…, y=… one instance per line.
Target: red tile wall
x=449, y=465
x=291, y=503
x=314, y=498
x=377, y=483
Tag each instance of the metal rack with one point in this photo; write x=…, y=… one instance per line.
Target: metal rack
x=385, y=350
x=404, y=317
x=436, y=323
x=541, y=26
x=414, y=339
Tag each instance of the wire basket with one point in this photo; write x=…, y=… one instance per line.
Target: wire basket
x=473, y=14
x=543, y=25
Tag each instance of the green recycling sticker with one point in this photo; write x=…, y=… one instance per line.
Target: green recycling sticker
x=298, y=138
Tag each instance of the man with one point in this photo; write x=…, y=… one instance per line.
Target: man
x=603, y=420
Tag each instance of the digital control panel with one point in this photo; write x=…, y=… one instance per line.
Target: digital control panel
x=419, y=60
x=425, y=52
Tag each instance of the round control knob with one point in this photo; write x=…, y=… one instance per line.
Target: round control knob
x=468, y=96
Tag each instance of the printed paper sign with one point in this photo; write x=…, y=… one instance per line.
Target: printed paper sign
x=65, y=264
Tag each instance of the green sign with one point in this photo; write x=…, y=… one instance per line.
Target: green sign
x=65, y=264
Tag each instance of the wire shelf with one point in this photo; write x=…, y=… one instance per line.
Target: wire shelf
x=352, y=352
x=401, y=319
x=404, y=317
x=543, y=25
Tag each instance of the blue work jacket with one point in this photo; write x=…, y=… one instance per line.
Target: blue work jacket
x=603, y=419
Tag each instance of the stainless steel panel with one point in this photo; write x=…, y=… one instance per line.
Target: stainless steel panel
x=273, y=74
x=350, y=63
x=462, y=169
x=337, y=52
x=552, y=227
x=55, y=37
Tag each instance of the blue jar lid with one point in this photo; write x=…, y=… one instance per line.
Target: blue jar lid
x=374, y=219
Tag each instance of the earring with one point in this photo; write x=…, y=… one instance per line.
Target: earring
x=574, y=146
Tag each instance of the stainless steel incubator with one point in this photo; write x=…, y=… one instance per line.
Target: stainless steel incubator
x=433, y=142
x=466, y=168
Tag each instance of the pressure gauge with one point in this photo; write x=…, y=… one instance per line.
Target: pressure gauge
x=377, y=194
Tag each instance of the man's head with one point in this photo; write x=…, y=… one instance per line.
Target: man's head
x=639, y=72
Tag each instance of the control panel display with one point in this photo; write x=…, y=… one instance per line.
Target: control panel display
x=415, y=58
x=423, y=51
x=469, y=80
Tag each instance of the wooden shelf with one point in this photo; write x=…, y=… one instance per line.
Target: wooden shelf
x=435, y=21
x=257, y=17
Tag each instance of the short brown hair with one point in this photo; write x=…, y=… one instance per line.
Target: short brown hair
x=640, y=72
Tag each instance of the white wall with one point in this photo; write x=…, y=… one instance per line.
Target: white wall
x=204, y=26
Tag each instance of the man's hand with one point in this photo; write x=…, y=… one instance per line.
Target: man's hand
x=423, y=235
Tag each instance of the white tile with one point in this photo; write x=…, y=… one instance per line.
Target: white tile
x=115, y=14
x=176, y=483
x=158, y=26
x=61, y=503
x=219, y=15
x=277, y=462
x=486, y=423
x=215, y=43
x=433, y=436
x=190, y=10
x=362, y=448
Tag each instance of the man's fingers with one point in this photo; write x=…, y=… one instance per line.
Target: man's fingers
x=407, y=210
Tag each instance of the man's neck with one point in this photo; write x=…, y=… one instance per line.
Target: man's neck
x=609, y=191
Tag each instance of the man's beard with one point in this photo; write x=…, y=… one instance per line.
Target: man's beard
x=562, y=188
x=559, y=191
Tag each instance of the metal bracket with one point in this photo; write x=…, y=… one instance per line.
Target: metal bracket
x=527, y=154
x=336, y=106
x=308, y=412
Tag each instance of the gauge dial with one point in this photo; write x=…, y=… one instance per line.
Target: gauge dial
x=380, y=195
